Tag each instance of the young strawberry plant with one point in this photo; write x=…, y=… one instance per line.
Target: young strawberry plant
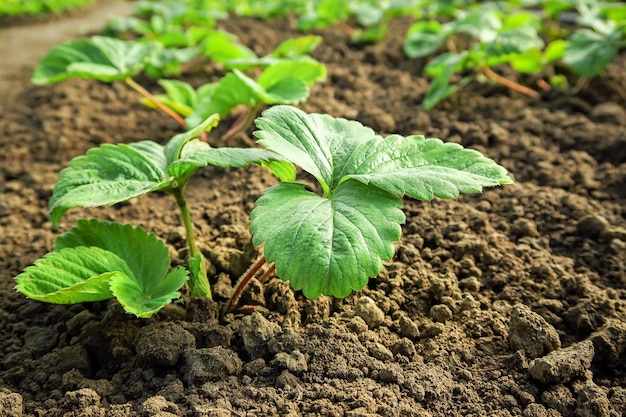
x=332, y=243
x=99, y=260
x=500, y=39
x=104, y=59
x=285, y=82
x=487, y=36
x=223, y=47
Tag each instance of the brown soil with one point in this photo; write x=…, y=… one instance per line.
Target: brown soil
x=507, y=303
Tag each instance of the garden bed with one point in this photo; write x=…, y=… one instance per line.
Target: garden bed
x=511, y=302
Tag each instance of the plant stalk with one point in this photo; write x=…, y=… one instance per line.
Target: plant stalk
x=132, y=84
x=242, y=122
x=199, y=283
x=243, y=282
x=508, y=83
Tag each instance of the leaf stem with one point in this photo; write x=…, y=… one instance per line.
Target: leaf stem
x=243, y=282
x=132, y=84
x=199, y=284
x=243, y=122
x=186, y=218
x=489, y=73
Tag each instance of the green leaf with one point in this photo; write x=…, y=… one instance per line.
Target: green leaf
x=309, y=72
x=223, y=47
x=108, y=175
x=327, y=246
x=529, y=62
x=482, y=24
x=144, y=286
x=442, y=68
x=588, y=52
x=72, y=275
x=514, y=41
x=199, y=283
x=146, y=257
x=555, y=50
x=297, y=46
x=137, y=301
x=180, y=92
x=423, y=38
x=422, y=168
x=309, y=140
x=231, y=91
x=102, y=58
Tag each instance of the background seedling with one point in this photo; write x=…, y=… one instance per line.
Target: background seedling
x=104, y=59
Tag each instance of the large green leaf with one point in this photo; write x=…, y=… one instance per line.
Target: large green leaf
x=99, y=57
x=310, y=141
x=146, y=256
x=108, y=175
x=141, y=282
x=331, y=244
x=72, y=275
x=327, y=246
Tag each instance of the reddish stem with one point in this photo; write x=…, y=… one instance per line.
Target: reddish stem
x=243, y=121
x=130, y=82
x=508, y=83
x=267, y=274
x=243, y=282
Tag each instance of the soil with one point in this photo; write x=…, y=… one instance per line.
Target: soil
x=507, y=303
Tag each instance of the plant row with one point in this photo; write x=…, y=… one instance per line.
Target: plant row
x=329, y=243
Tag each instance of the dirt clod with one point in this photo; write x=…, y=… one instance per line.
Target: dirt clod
x=162, y=344
x=11, y=404
x=209, y=364
x=531, y=333
x=564, y=364
x=367, y=309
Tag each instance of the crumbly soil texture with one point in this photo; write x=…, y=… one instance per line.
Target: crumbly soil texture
x=507, y=303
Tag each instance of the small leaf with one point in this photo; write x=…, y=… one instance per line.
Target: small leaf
x=102, y=58
x=174, y=147
x=199, y=283
x=105, y=176
x=297, y=46
x=327, y=246
x=72, y=275
x=223, y=47
x=482, y=24
x=423, y=38
x=588, y=52
x=555, y=50
x=136, y=300
x=307, y=71
x=230, y=91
